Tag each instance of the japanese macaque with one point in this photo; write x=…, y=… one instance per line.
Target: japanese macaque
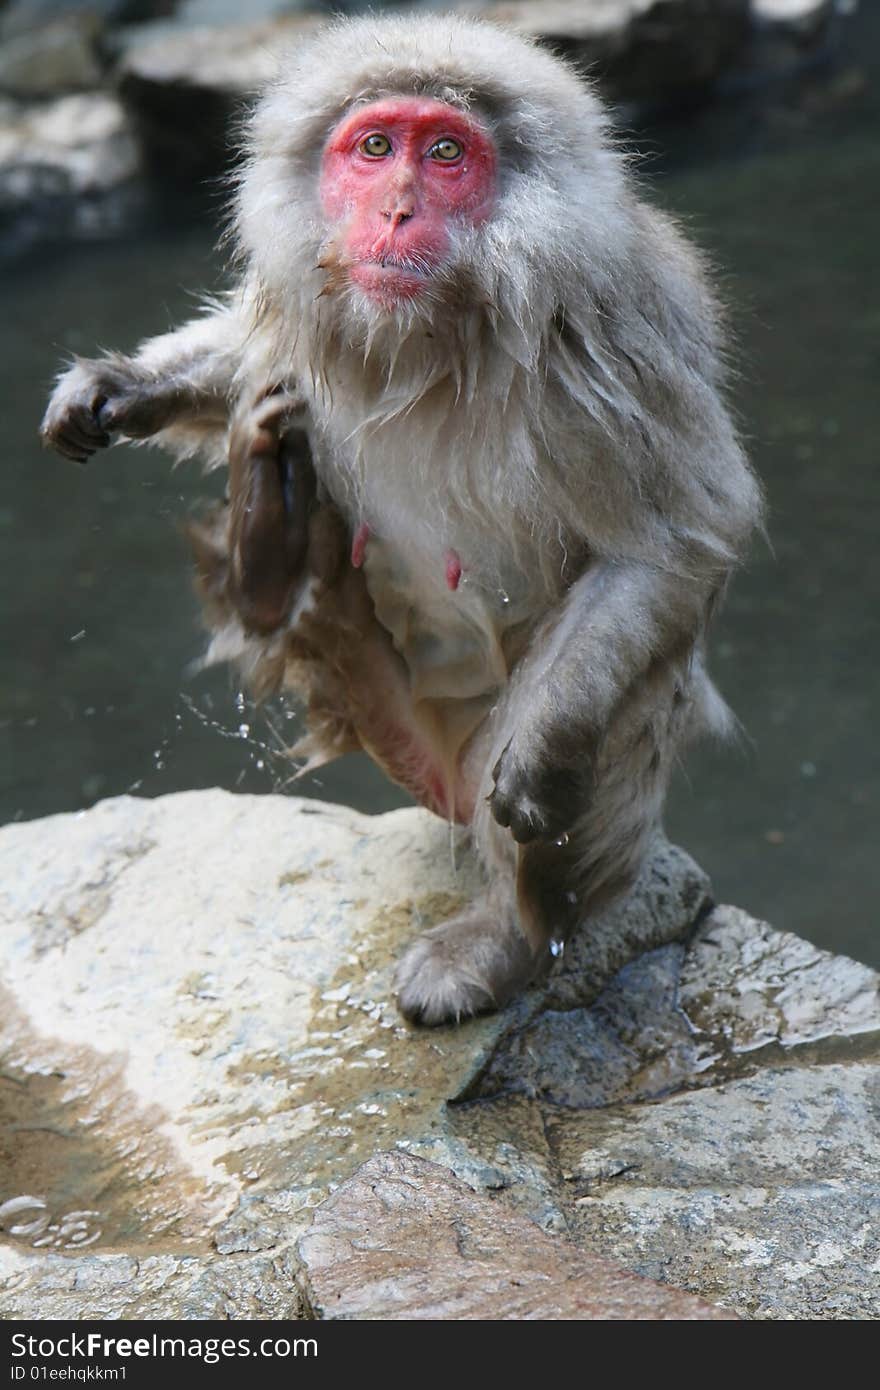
x=484, y=491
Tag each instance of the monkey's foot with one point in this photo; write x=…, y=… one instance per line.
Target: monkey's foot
x=469, y=965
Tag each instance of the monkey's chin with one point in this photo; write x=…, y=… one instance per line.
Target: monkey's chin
x=388, y=286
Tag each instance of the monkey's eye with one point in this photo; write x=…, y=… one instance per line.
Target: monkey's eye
x=375, y=145
x=446, y=150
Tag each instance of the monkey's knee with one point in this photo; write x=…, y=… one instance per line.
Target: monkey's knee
x=471, y=964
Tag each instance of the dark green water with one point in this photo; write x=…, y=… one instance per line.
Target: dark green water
x=99, y=627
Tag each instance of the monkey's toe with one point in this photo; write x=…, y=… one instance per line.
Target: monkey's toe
x=469, y=965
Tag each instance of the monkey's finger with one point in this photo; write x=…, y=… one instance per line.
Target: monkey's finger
x=69, y=451
x=138, y=415
x=82, y=437
x=70, y=445
x=73, y=432
x=83, y=419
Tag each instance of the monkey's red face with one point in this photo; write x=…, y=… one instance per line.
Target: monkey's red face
x=397, y=177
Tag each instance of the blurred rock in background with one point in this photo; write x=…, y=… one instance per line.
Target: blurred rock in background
x=160, y=82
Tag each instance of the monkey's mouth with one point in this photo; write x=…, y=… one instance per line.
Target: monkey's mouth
x=388, y=279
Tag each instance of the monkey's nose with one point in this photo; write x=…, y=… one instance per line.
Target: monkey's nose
x=398, y=215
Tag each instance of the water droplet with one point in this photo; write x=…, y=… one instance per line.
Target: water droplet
x=244, y=730
x=557, y=948
x=505, y=597
x=571, y=898
x=81, y=1238
x=240, y=702
x=563, y=840
x=19, y=1204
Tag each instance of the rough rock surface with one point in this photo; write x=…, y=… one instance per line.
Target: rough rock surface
x=73, y=146
x=61, y=56
x=182, y=87
x=404, y=1239
x=68, y=168
x=638, y=49
x=198, y=1043
x=184, y=78
x=182, y=83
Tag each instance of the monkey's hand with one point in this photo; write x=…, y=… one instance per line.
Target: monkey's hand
x=99, y=398
x=542, y=785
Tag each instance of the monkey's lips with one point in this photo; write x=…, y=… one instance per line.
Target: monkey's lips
x=388, y=282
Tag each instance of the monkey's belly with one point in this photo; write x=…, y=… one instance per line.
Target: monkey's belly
x=451, y=634
x=454, y=648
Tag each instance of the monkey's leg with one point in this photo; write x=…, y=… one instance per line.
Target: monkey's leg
x=272, y=494
x=618, y=625
x=256, y=552
x=538, y=893
x=564, y=883
x=476, y=961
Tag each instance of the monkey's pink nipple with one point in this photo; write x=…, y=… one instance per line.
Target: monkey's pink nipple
x=359, y=545
x=453, y=570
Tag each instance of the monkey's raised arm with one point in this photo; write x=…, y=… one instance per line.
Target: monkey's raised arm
x=176, y=385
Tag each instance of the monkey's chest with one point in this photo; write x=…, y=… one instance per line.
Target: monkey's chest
x=457, y=632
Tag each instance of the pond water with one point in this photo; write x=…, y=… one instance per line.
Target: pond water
x=100, y=630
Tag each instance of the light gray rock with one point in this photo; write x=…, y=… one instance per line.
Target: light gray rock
x=801, y=18
x=786, y=35
x=763, y=1191
x=637, y=49
x=69, y=168
x=182, y=86
x=24, y=16
x=198, y=1044
x=72, y=147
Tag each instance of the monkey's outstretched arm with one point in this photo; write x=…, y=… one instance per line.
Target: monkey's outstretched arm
x=177, y=384
x=618, y=621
